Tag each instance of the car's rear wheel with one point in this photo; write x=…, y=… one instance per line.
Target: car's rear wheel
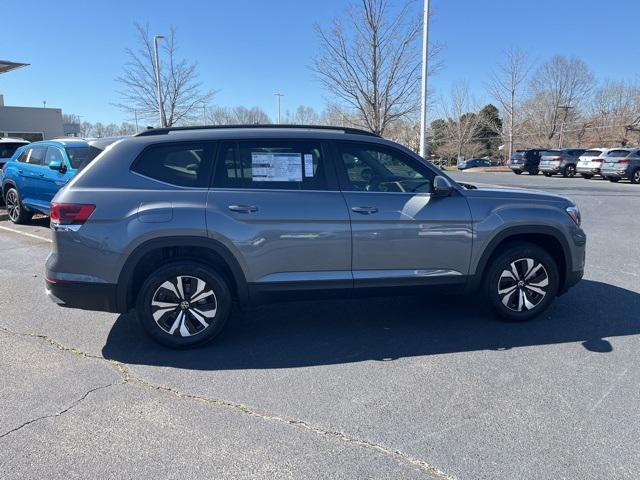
x=586, y=176
x=518, y=172
x=522, y=282
x=547, y=174
x=184, y=304
x=569, y=171
x=533, y=172
x=16, y=211
x=614, y=179
x=635, y=176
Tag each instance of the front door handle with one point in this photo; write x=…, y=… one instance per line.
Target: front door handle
x=364, y=210
x=243, y=208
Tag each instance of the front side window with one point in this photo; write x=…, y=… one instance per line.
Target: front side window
x=53, y=155
x=374, y=168
x=185, y=164
x=283, y=165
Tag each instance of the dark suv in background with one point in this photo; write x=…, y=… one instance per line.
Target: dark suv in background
x=526, y=161
x=177, y=224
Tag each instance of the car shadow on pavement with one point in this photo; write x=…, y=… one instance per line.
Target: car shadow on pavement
x=303, y=334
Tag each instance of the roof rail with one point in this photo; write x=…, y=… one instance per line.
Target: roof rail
x=166, y=130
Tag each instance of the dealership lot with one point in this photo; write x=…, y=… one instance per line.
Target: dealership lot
x=403, y=387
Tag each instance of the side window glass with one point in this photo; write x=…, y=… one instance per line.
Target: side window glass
x=373, y=168
x=185, y=164
x=283, y=165
x=24, y=156
x=53, y=155
x=37, y=156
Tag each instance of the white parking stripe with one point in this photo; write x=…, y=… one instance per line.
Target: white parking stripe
x=26, y=234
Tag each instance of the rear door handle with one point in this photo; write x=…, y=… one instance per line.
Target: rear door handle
x=243, y=208
x=364, y=210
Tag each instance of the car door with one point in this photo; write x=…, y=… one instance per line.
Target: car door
x=401, y=234
x=29, y=172
x=49, y=181
x=275, y=204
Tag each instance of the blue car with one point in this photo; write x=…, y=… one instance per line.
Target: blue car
x=36, y=172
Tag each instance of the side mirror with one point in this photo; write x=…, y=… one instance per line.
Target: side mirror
x=441, y=187
x=58, y=166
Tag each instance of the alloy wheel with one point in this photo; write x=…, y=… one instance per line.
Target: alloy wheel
x=570, y=171
x=636, y=176
x=522, y=286
x=13, y=205
x=184, y=306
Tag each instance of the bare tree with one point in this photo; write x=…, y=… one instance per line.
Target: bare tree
x=462, y=123
x=506, y=85
x=615, y=105
x=181, y=93
x=302, y=116
x=238, y=116
x=371, y=63
x=558, y=83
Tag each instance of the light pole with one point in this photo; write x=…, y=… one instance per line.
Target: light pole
x=564, y=119
x=425, y=57
x=204, y=114
x=278, y=96
x=157, y=69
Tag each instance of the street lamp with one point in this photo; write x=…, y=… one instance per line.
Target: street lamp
x=157, y=71
x=278, y=96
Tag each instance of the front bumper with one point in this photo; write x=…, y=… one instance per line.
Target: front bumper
x=101, y=297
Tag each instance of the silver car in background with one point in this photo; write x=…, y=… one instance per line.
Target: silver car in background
x=563, y=161
x=590, y=162
x=622, y=163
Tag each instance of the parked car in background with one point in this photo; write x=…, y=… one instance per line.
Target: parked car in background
x=181, y=223
x=8, y=147
x=474, y=162
x=590, y=162
x=37, y=171
x=622, y=163
x=563, y=161
x=526, y=161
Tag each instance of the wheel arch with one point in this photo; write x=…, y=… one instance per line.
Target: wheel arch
x=154, y=253
x=547, y=237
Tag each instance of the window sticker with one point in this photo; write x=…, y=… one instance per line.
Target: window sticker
x=308, y=165
x=276, y=167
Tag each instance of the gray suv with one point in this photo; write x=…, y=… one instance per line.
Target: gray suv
x=622, y=163
x=178, y=224
x=563, y=161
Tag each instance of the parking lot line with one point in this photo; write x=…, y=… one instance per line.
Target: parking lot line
x=26, y=234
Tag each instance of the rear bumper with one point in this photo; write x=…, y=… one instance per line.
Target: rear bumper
x=588, y=170
x=99, y=297
x=616, y=173
x=550, y=168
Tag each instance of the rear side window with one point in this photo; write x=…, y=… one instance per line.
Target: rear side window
x=184, y=164
x=592, y=153
x=618, y=153
x=283, y=165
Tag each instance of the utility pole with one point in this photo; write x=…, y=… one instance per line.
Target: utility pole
x=135, y=116
x=564, y=119
x=278, y=96
x=204, y=114
x=157, y=69
x=425, y=56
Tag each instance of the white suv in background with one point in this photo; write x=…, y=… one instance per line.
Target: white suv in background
x=8, y=146
x=590, y=162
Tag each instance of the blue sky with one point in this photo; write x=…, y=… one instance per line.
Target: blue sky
x=249, y=49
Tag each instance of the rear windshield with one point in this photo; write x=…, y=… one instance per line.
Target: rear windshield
x=548, y=153
x=618, y=153
x=518, y=155
x=80, y=157
x=8, y=149
x=592, y=153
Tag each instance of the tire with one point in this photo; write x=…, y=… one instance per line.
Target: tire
x=569, y=171
x=635, y=176
x=518, y=172
x=504, y=291
x=177, y=323
x=534, y=172
x=586, y=176
x=547, y=174
x=614, y=179
x=15, y=209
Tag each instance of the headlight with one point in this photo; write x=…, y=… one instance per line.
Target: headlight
x=574, y=213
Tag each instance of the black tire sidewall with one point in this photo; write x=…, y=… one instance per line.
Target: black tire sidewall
x=502, y=262
x=25, y=216
x=172, y=270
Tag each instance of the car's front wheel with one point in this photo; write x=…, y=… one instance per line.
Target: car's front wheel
x=635, y=176
x=16, y=211
x=547, y=174
x=518, y=172
x=522, y=282
x=586, y=176
x=569, y=171
x=184, y=304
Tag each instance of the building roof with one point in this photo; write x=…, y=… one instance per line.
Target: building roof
x=7, y=66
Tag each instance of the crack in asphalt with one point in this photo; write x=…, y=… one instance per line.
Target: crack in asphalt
x=74, y=404
x=128, y=377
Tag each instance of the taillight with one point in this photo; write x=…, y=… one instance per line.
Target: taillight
x=624, y=162
x=597, y=160
x=558, y=159
x=71, y=213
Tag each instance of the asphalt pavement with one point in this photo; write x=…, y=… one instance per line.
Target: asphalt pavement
x=402, y=387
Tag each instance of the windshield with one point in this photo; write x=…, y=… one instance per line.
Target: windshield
x=550, y=153
x=8, y=149
x=592, y=153
x=80, y=157
x=618, y=153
